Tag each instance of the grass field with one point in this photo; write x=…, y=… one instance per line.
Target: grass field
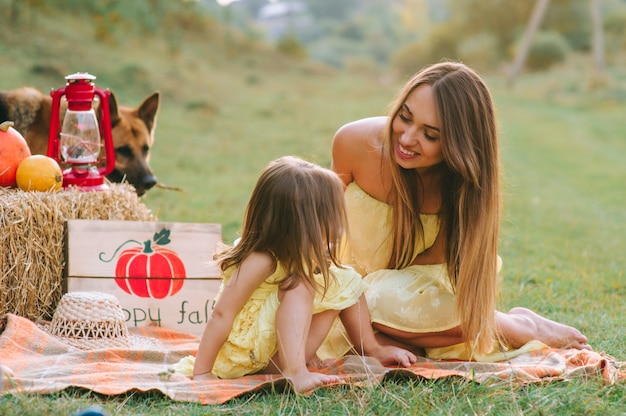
x=563, y=239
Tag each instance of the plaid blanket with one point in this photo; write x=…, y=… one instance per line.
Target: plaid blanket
x=35, y=362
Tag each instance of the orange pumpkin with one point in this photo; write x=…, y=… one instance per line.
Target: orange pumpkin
x=13, y=149
x=150, y=270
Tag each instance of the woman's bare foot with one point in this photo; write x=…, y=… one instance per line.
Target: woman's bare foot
x=305, y=380
x=522, y=325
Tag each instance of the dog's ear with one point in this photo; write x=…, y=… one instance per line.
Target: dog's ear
x=115, y=116
x=148, y=110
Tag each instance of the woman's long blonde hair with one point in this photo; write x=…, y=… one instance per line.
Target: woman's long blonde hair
x=470, y=192
x=296, y=212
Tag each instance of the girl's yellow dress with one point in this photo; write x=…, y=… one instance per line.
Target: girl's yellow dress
x=417, y=299
x=252, y=340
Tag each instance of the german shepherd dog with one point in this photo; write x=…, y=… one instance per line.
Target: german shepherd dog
x=132, y=131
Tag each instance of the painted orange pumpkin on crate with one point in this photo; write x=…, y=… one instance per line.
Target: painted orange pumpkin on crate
x=150, y=270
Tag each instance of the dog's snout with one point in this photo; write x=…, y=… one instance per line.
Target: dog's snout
x=148, y=182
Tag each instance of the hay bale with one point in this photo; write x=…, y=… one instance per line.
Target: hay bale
x=32, y=240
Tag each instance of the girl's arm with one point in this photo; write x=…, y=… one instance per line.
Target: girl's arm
x=249, y=275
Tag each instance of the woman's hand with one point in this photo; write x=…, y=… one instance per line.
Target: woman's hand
x=389, y=354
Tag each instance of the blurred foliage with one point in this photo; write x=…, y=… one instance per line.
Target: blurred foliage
x=572, y=20
x=412, y=33
x=342, y=30
x=332, y=9
x=441, y=44
x=547, y=49
x=408, y=34
x=372, y=30
x=486, y=33
x=113, y=21
x=291, y=46
x=481, y=51
x=504, y=19
x=615, y=35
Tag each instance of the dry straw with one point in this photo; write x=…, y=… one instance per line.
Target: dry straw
x=32, y=238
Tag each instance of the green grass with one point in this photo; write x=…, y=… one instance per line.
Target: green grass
x=229, y=108
x=392, y=397
x=216, y=159
x=564, y=233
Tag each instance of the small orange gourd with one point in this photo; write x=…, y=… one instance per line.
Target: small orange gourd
x=39, y=173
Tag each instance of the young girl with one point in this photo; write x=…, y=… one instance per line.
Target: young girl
x=283, y=286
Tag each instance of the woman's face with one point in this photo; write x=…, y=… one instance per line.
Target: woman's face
x=416, y=131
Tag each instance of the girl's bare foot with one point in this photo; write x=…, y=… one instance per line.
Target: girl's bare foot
x=551, y=333
x=305, y=380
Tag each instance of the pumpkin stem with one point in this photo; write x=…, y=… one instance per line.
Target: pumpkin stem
x=116, y=250
x=147, y=247
x=5, y=125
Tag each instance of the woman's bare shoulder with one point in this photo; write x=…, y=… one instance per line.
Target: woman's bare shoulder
x=362, y=129
x=359, y=137
x=357, y=147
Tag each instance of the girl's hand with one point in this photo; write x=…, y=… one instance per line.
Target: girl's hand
x=204, y=376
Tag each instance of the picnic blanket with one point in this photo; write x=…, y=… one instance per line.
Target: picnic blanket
x=35, y=362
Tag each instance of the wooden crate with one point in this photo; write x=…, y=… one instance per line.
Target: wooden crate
x=162, y=273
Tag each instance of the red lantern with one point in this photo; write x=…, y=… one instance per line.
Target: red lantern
x=77, y=141
x=150, y=271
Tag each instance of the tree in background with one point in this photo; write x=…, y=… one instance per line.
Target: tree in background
x=486, y=33
x=406, y=33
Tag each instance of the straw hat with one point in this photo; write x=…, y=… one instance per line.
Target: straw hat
x=94, y=320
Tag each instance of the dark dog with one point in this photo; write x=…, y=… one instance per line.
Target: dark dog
x=132, y=130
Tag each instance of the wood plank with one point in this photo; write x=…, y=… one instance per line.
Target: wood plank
x=95, y=244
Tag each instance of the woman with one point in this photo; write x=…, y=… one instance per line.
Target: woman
x=423, y=202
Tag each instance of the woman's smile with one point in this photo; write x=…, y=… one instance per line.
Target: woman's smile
x=405, y=153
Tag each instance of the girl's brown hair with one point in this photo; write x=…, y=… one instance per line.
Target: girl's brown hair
x=470, y=191
x=296, y=213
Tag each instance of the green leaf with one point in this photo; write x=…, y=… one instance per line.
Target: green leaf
x=162, y=237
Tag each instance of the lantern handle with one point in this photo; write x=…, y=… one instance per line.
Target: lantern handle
x=105, y=130
x=55, y=121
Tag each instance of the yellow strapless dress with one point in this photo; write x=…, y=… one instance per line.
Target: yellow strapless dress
x=414, y=299
x=418, y=299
